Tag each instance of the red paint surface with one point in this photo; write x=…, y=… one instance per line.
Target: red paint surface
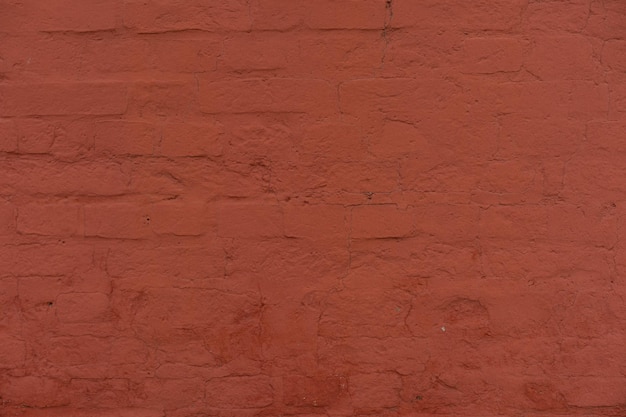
x=312, y=208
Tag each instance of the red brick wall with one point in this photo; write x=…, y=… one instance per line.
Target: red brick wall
x=312, y=208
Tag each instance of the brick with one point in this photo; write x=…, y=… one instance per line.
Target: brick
x=193, y=262
x=446, y=314
x=118, y=220
x=45, y=258
x=12, y=352
x=398, y=139
x=8, y=136
x=316, y=222
x=257, y=139
x=240, y=392
x=617, y=101
x=406, y=54
x=429, y=176
x=328, y=14
x=614, y=55
x=35, y=136
x=172, y=393
x=590, y=314
x=333, y=140
x=508, y=177
x=106, y=393
x=373, y=355
x=9, y=293
x=562, y=58
x=49, y=55
x=366, y=178
x=181, y=218
x=190, y=351
x=381, y=221
x=500, y=15
x=7, y=218
x=36, y=291
x=318, y=391
x=94, y=280
x=122, y=137
x=604, y=20
x=243, y=179
x=177, y=370
x=555, y=137
x=491, y=55
x=159, y=177
x=185, y=55
x=398, y=257
x=552, y=171
x=450, y=391
x=82, y=307
x=164, y=16
x=556, y=16
x=94, y=412
x=62, y=99
x=544, y=396
x=447, y=222
x=514, y=222
x=112, y=55
x=348, y=313
x=150, y=99
x=250, y=52
x=249, y=220
x=341, y=55
x=401, y=99
x=67, y=351
x=592, y=175
x=276, y=14
x=80, y=356
x=594, y=392
x=592, y=357
x=135, y=55
x=537, y=305
x=46, y=177
x=595, y=224
x=521, y=311
x=271, y=96
x=582, y=100
x=453, y=140
x=513, y=260
x=321, y=263
x=73, y=139
x=210, y=311
x=50, y=219
x=54, y=178
x=63, y=15
x=185, y=139
x=375, y=391
x=289, y=343
x=34, y=391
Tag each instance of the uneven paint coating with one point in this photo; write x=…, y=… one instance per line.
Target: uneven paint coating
x=312, y=208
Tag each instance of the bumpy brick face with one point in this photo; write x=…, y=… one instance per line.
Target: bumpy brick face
x=312, y=208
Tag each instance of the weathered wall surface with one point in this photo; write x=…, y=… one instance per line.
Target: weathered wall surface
x=312, y=208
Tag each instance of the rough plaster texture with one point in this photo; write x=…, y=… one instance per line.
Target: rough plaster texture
x=239, y=208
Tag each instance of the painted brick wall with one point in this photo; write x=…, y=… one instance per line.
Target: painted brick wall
x=238, y=208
